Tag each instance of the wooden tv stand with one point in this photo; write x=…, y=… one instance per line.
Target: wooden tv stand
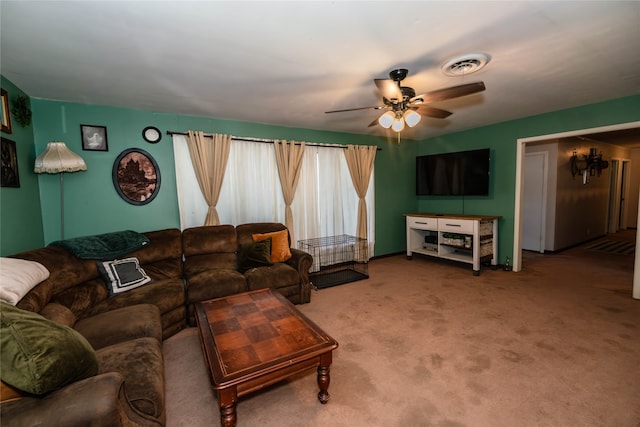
x=465, y=238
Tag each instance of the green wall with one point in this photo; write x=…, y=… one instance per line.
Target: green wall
x=20, y=212
x=31, y=215
x=92, y=205
x=501, y=138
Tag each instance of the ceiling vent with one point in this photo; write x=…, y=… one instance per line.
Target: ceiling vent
x=465, y=64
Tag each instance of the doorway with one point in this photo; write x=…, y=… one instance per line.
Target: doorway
x=519, y=195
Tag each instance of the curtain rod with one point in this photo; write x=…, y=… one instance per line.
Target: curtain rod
x=268, y=141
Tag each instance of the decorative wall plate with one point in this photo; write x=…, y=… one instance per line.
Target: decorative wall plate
x=151, y=134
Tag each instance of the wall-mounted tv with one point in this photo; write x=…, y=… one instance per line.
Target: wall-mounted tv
x=462, y=173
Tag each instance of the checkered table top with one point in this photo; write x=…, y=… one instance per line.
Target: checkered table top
x=257, y=330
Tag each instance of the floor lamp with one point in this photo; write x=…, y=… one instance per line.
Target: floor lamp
x=57, y=158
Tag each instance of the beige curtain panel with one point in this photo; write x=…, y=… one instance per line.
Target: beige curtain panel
x=289, y=161
x=360, y=161
x=209, y=157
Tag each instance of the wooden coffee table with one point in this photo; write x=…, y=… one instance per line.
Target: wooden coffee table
x=257, y=338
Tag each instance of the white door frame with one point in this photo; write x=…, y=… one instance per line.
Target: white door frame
x=625, y=174
x=613, y=212
x=520, y=151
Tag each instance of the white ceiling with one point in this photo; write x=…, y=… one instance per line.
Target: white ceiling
x=285, y=63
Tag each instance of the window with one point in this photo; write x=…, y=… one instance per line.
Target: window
x=326, y=203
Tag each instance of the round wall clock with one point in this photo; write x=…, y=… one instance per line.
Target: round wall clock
x=151, y=134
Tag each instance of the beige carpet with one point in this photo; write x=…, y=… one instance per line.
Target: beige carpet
x=425, y=343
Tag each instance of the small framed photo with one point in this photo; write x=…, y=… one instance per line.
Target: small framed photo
x=136, y=176
x=94, y=138
x=10, y=176
x=6, y=117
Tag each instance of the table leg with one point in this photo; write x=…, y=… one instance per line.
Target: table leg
x=228, y=400
x=324, y=378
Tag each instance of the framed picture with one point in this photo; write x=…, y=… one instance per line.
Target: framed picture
x=10, y=176
x=94, y=138
x=136, y=176
x=6, y=117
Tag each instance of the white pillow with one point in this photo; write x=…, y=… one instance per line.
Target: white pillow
x=19, y=276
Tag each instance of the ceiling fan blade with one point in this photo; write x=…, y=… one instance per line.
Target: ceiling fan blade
x=373, y=123
x=389, y=89
x=374, y=107
x=450, y=92
x=427, y=110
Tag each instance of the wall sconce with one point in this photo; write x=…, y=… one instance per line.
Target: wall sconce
x=587, y=165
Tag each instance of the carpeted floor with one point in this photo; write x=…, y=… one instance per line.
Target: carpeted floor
x=426, y=343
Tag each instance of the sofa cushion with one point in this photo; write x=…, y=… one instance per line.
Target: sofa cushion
x=274, y=276
x=18, y=277
x=98, y=401
x=141, y=364
x=165, y=294
x=39, y=355
x=59, y=313
x=122, y=275
x=66, y=270
x=121, y=324
x=215, y=283
x=254, y=255
x=280, y=251
x=209, y=247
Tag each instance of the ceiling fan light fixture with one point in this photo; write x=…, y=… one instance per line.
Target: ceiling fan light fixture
x=386, y=120
x=412, y=118
x=398, y=124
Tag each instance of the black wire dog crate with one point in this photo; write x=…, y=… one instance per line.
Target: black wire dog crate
x=336, y=259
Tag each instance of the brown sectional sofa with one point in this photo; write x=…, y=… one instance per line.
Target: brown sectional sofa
x=211, y=265
x=126, y=330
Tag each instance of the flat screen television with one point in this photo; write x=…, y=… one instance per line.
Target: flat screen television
x=462, y=173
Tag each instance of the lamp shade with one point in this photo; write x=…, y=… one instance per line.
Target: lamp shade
x=386, y=119
x=58, y=158
x=398, y=124
x=412, y=118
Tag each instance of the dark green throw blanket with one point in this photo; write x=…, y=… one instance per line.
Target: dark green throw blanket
x=104, y=246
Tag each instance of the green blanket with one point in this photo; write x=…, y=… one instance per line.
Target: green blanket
x=104, y=246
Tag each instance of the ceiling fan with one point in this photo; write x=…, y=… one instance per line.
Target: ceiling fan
x=403, y=106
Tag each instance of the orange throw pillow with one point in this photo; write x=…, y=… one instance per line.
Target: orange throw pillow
x=280, y=251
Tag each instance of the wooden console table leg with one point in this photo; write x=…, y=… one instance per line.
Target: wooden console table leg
x=228, y=400
x=324, y=378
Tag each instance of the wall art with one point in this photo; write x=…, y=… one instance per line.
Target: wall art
x=94, y=138
x=136, y=176
x=9, y=173
x=6, y=117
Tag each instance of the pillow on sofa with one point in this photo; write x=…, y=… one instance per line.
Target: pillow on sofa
x=39, y=355
x=254, y=255
x=280, y=251
x=18, y=277
x=122, y=275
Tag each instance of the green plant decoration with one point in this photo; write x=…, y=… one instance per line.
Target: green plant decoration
x=21, y=111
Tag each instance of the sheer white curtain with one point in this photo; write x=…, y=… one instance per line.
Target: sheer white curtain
x=325, y=203
x=251, y=189
x=250, y=192
x=191, y=203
